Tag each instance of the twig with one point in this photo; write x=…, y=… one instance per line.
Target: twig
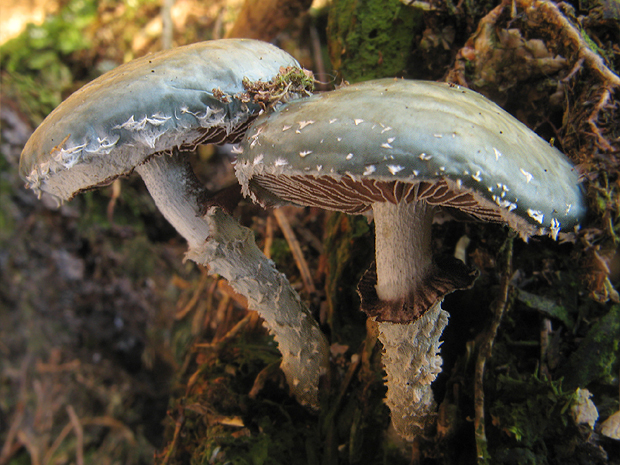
x=116, y=193
x=298, y=255
x=598, y=108
x=552, y=14
x=317, y=56
x=221, y=317
x=262, y=377
x=79, y=433
x=484, y=353
x=545, y=333
x=202, y=317
x=576, y=67
x=111, y=423
x=226, y=289
x=26, y=438
x=47, y=458
x=177, y=431
x=219, y=342
x=268, y=236
x=41, y=367
x=10, y=446
x=106, y=421
x=195, y=296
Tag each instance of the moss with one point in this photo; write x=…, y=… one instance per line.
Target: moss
x=274, y=446
x=530, y=415
x=35, y=62
x=607, y=55
x=281, y=254
x=596, y=358
x=133, y=203
x=140, y=260
x=371, y=39
x=546, y=306
x=223, y=423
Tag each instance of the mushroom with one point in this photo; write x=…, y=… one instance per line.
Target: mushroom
x=138, y=116
x=405, y=149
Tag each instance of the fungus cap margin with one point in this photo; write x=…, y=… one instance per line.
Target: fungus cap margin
x=400, y=131
x=149, y=105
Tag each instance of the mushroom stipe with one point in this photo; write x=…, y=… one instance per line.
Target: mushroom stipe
x=445, y=275
x=139, y=117
x=405, y=150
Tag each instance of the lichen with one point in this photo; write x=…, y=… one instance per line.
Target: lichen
x=533, y=414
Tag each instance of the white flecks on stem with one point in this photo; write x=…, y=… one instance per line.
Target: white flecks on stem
x=412, y=362
x=232, y=253
x=219, y=242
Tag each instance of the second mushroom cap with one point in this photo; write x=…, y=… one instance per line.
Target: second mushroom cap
x=380, y=136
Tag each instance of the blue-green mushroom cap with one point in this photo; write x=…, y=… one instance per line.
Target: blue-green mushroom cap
x=388, y=140
x=175, y=98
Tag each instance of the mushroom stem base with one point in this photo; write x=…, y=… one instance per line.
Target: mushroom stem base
x=232, y=253
x=412, y=362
